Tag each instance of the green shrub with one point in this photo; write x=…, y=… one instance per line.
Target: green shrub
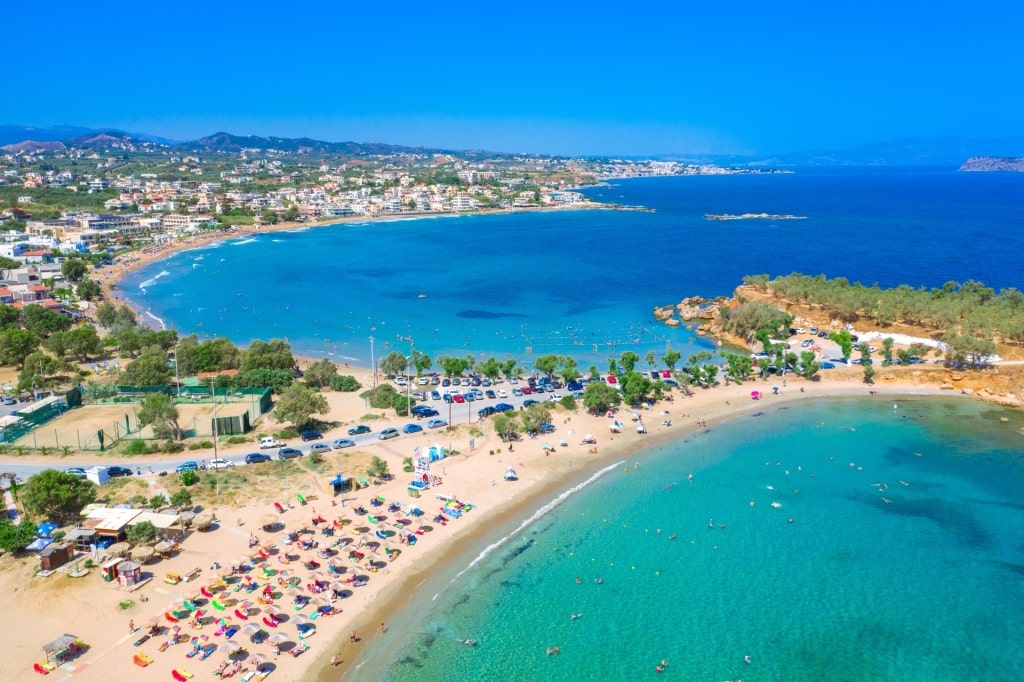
x=315, y=458
x=58, y=535
x=285, y=434
x=172, y=446
x=136, y=446
x=205, y=444
x=237, y=440
x=157, y=501
x=344, y=383
x=137, y=500
x=189, y=478
x=568, y=402
x=193, y=446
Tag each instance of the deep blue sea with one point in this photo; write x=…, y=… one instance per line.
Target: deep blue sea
x=584, y=283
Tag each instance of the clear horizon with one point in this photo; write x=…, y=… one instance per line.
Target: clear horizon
x=577, y=80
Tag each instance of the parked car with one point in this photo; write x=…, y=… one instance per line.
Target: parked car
x=446, y=382
x=388, y=433
x=526, y=390
x=256, y=458
x=423, y=411
x=504, y=407
x=311, y=434
x=356, y=430
x=288, y=453
x=578, y=386
x=447, y=397
x=342, y=443
x=435, y=395
x=115, y=472
x=428, y=413
x=412, y=428
x=468, y=397
x=491, y=395
x=827, y=365
x=457, y=397
x=578, y=395
x=220, y=464
x=320, y=447
x=190, y=465
x=9, y=400
x=517, y=391
x=485, y=411
x=502, y=393
x=527, y=403
x=436, y=423
x=75, y=471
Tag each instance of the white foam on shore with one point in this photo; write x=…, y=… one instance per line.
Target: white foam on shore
x=539, y=514
x=250, y=240
x=150, y=282
x=158, y=320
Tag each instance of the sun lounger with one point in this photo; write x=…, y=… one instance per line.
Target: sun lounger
x=181, y=675
x=38, y=667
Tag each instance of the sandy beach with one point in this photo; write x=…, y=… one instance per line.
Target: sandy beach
x=88, y=608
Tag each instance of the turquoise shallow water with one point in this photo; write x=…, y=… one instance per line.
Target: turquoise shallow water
x=926, y=586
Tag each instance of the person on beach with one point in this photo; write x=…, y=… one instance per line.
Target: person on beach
x=335, y=661
x=382, y=629
x=352, y=637
x=131, y=626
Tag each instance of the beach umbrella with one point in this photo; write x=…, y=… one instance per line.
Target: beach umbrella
x=316, y=576
x=269, y=520
x=273, y=610
x=142, y=554
x=119, y=549
x=294, y=592
x=320, y=601
x=301, y=621
x=193, y=595
x=278, y=638
x=337, y=586
x=250, y=629
x=230, y=646
x=163, y=547
x=225, y=571
x=257, y=660
x=187, y=517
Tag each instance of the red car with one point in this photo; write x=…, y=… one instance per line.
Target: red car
x=458, y=398
x=527, y=390
x=612, y=379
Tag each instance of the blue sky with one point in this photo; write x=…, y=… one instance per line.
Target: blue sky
x=563, y=78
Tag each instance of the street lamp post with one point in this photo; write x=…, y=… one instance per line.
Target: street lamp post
x=213, y=393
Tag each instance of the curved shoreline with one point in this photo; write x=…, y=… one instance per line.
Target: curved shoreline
x=493, y=525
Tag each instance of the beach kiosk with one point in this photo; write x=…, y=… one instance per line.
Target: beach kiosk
x=109, y=570
x=129, y=573
x=55, y=556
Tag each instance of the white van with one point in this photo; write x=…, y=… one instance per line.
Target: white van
x=270, y=442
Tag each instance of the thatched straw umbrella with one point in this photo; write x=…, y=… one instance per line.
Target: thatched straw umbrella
x=203, y=521
x=163, y=547
x=250, y=629
x=229, y=646
x=119, y=549
x=142, y=554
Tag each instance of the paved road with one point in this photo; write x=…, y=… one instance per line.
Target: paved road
x=453, y=412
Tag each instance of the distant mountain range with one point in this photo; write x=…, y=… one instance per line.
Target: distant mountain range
x=949, y=152
x=15, y=138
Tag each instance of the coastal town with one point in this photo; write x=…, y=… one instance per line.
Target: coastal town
x=92, y=193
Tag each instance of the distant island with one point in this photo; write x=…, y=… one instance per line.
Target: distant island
x=994, y=164
x=753, y=216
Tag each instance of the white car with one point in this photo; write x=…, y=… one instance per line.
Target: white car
x=502, y=393
x=220, y=464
